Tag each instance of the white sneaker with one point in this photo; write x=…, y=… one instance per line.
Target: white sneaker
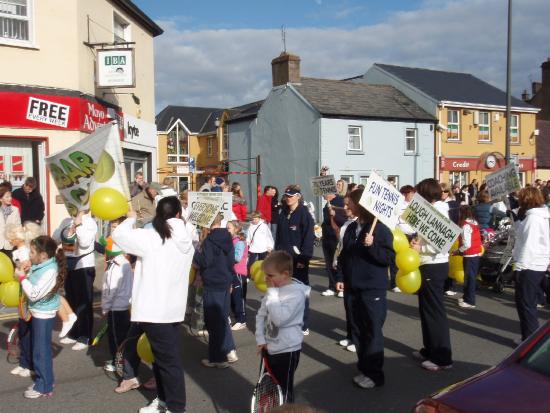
x=67, y=340
x=79, y=346
x=21, y=372
x=345, y=342
x=238, y=326
x=155, y=406
x=540, y=305
x=431, y=366
x=351, y=348
x=109, y=366
x=364, y=382
x=450, y=293
x=232, y=356
x=328, y=293
x=219, y=365
x=67, y=325
x=340, y=294
x=305, y=332
x=396, y=289
x=464, y=304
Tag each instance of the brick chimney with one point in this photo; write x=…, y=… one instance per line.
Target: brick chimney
x=525, y=96
x=545, y=91
x=285, y=69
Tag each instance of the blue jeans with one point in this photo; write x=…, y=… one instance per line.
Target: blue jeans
x=216, y=311
x=42, y=354
x=471, y=266
x=24, y=333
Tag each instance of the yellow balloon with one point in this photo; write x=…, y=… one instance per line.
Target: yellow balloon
x=2, y=287
x=455, y=263
x=261, y=287
x=408, y=282
x=254, y=268
x=400, y=241
x=192, y=275
x=458, y=276
x=10, y=294
x=407, y=260
x=6, y=268
x=144, y=349
x=108, y=204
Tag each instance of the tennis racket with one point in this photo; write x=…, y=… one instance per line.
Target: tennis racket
x=267, y=393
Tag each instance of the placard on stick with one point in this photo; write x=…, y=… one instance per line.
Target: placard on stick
x=382, y=200
x=204, y=211
x=430, y=224
x=225, y=199
x=503, y=181
x=323, y=185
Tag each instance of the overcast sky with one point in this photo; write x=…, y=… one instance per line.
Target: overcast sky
x=218, y=53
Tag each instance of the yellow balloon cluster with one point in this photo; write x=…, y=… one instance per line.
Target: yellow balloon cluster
x=144, y=349
x=408, y=277
x=108, y=204
x=9, y=287
x=258, y=276
x=408, y=282
x=456, y=268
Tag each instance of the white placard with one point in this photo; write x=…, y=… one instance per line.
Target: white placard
x=323, y=185
x=225, y=198
x=204, y=211
x=430, y=224
x=503, y=181
x=382, y=200
x=115, y=68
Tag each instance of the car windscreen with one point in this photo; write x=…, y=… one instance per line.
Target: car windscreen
x=538, y=358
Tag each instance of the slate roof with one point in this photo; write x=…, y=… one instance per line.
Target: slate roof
x=336, y=98
x=452, y=86
x=197, y=120
x=129, y=7
x=543, y=144
x=250, y=110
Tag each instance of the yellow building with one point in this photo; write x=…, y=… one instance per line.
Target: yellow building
x=191, y=147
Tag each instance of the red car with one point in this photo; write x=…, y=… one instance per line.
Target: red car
x=519, y=384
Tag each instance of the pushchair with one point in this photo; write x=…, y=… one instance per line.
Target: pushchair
x=495, y=266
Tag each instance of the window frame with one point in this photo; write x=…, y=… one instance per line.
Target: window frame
x=457, y=123
x=460, y=174
x=210, y=146
x=415, y=139
x=177, y=158
x=126, y=27
x=30, y=19
x=487, y=125
x=517, y=134
x=360, y=135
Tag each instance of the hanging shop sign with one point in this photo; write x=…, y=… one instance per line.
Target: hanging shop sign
x=115, y=68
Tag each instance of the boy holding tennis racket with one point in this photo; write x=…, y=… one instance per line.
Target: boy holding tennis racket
x=279, y=321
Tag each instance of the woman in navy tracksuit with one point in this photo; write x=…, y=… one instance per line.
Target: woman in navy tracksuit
x=364, y=262
x=295, y=235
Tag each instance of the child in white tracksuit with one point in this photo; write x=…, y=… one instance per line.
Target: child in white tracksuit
x=279, y=320
x=259, y=239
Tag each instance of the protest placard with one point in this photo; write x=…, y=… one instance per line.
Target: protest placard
x=503, y=181
x=92, y=163
x=382, y=200
x=430, y=224
x=323, y=185
x=225, y=198
x=204, y=211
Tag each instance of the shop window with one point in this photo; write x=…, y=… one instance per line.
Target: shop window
x=121, y=29
x=458, y=177
x=177, y=145
x=514, y=129
x=453, y=125
x=484, y=127
x=355, y=139
x=410, y=142
x=16, y=23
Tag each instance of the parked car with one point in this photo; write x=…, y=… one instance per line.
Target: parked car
x=519, y=384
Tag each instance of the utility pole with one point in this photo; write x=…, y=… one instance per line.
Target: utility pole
x=508, y=84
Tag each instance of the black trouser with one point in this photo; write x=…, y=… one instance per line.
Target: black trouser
x=216, y=313
x=302, y=274
x=368, y=315
x=329, y=249
x=118, y=323
x=471, y=266
x=349, y=316
x=283, y=366
x=393, y=272
x=165, y=340
x=253, y=257
x=449, y=284
x=433, y=316
x=79, y=289
x=528, y=285
x=238, y=298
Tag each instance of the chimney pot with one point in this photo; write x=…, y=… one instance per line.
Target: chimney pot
x=285, y=69
x=525, y=96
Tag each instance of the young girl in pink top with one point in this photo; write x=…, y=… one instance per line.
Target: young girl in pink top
x=238, y=291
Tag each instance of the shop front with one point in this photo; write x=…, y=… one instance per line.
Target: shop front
x=139, y=148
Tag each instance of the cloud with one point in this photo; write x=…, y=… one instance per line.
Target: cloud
x=223, y=68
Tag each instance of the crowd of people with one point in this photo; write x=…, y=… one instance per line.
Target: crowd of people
x=151, y=253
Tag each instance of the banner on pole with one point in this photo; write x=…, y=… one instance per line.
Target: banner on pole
x=224, y=198
x=503, y=181
x=382, y=200
x=92, y=163
x=430, y=224
x=323, y=185
x=204, y=211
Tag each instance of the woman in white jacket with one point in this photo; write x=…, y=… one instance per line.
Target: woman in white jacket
x=159, y=296
x=531, y=256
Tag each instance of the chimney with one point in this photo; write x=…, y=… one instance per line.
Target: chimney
x=535, y=87
x=285, y=69
x=525, y=96
x=545, y=91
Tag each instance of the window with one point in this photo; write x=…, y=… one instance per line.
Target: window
x=16, y=22
x=410, y=142
x=514, y=129
x=121, y=29
x=394, y=180
x=210, y=143
x=460, y=178
x=347, y=178
x=453, y=125
x=354, y=139
x=225, y=143
x=484, y=127
x=363, y=180
x=177, y=145
x=182, y=183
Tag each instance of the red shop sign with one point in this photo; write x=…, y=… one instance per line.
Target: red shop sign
x=458, y=164
x=40, y=111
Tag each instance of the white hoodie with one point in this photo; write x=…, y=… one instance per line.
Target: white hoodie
x=532, y=246
x=280, y=317
x=117, y=285
x=259, y=238
x=161, y=274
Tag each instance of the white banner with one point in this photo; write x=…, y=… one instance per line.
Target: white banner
x=224, y=198
x=92, y=163
x=382, y=200
x=503, y=181
x=204, y=211
x=323, y=185
x=430, y=224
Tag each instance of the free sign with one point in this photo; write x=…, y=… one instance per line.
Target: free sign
x=45, y=111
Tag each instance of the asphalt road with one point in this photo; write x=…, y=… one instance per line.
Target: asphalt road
x=480, y=338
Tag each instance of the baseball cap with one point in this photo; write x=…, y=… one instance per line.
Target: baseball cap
x=292, y=192
x=219, y=180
